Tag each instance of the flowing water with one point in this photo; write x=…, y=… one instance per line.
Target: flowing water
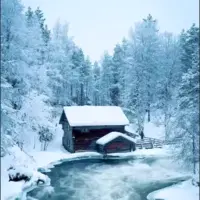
x=95, y=179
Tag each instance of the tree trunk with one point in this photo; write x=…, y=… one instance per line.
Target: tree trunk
x=194, y=157
x=148, y=113
x=82, y=95
x=34, y=143
x=148, y=100
x=71, y=91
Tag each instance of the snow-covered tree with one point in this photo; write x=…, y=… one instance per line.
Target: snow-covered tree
x=117, y=64
x=45, y=136
x=23, y=71
x=96, y=82
x=86, y=82
x=142, y=64
x=59, y=59
x=169, y=77
x=147, y=41
x=187, y=116
x=105, y=79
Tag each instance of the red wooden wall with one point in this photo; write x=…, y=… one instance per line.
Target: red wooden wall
x=87, y=141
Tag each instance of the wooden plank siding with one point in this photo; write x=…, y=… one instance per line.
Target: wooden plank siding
x=67, y=139
x=87, y=140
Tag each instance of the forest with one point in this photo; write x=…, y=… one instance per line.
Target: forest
x=150, y=73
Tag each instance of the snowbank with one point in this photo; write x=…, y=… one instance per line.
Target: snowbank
x=182, y=191
x=47, y=160
x=32, y=179
x=19, y=164
x=142, y=153
x=24, y=164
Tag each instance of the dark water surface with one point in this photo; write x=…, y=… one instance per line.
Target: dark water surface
x=96, y=179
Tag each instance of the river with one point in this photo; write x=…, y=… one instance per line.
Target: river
x=97, y=179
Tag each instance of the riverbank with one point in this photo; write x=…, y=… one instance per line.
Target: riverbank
x=47, y=160
x=35, y=160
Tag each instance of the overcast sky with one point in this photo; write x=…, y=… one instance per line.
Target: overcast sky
x=97, y=25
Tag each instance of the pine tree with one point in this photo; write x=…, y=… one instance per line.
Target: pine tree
x=78, y=70
x=188, y=43
x=87, y=81
x=187, y=116
x=117, y=64
x=105, y=79
x=61, y=76
x=96, y=82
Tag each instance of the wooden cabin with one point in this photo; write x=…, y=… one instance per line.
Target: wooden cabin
x=84, y=125
x=115, y=142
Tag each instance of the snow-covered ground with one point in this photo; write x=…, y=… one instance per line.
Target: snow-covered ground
x=153, y=130
x=150, y=130
x=182, y=191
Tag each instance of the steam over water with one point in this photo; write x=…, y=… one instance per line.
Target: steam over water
x=107, y=180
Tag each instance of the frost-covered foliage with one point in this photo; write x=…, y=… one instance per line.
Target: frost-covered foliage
x=41, y=72
x=45, y=136
x=157, y=73
x=143, y=74
x=186, y=123
x=24, y=77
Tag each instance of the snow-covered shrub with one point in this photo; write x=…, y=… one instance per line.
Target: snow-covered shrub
x=6, y=142
x=45, y=137
x=34, y=115
x=31, y=177
x=195, y=180
x=18, y=174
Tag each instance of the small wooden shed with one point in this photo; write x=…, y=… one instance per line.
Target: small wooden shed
x=84, y=125
x=115, y=142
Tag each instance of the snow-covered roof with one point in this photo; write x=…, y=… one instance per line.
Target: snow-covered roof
x=95, y=116
x=111, y=136
x=130, y=129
